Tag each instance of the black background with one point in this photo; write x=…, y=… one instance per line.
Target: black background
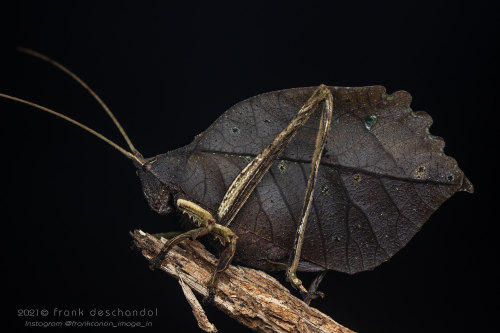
x=168, y=71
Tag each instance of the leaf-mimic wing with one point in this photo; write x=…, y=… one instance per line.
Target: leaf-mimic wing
x=382, y=175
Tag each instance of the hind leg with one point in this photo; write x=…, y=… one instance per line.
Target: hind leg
x=246, y=181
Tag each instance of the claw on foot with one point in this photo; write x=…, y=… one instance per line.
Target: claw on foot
x=310, y=295
x=307, y=295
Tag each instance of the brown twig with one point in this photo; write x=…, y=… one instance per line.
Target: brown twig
x=198, y=311
x=251, y=297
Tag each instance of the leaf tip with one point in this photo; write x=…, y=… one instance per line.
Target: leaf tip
x=466, y=186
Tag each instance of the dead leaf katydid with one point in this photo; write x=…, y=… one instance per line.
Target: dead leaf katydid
x=376, y=177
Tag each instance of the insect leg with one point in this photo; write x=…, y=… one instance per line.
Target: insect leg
x=201, y=216
x=313, y=292
x=228, y=238
x=206, y=223
x=323, y=130
x=246, y=181
x=167, y=235
x=193, y=234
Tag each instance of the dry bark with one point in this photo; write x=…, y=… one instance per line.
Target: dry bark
x=250, y=296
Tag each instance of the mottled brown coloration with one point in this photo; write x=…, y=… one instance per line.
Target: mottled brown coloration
x=195, y=305
x=384, y=180
x=381, y=177
x=249, y=296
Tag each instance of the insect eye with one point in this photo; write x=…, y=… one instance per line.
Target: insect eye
x=146, y=167
x=166, y=210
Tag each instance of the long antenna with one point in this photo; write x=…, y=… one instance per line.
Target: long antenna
x=84, y=85
x=88, y=129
